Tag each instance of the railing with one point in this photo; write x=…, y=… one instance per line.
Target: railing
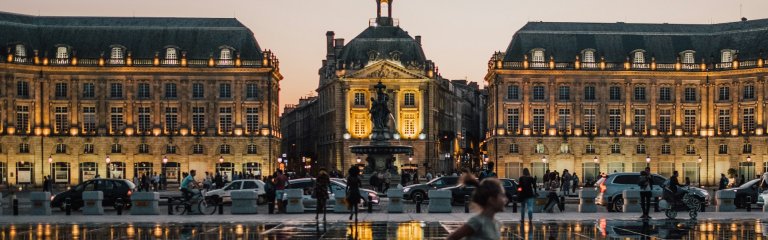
x=614, y=66
x=171, y=62
x=60, y=61
x=197, y=63
x=748, y=64
x=144, y=62
x=665, y=66
x=691, y=66
x=225, y=62
x=116, y=61
x=590, y=65
x=641, y=66
x=539, y=65
x=726, y=65
x=17, y=59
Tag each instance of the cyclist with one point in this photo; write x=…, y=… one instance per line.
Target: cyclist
x=187, y=184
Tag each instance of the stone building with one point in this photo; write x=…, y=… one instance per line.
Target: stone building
x=298, y=127
x=425, y=107
x=118, y=97
x=605, y=97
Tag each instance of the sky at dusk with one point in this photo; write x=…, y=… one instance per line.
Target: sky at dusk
x=458, y=35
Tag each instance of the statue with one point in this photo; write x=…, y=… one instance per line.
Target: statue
x=379, y=108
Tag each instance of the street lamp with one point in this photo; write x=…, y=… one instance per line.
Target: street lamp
x=749, y=159
x=596, y=160
x=108, y=160
x=358, y=159
x=698, y=169
x=221, y=159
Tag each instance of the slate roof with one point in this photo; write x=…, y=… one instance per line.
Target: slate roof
x=142, y=36
x=616, y=41
x=384, y=40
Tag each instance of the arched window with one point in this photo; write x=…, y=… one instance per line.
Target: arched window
x=688, y=57
x=170, y=54
x=226, y=54
x=21, y=51
x=726, y=56
x=116, y=53
x=638, y=57
x=61, y=52
x=588, y=56
x=537, y=55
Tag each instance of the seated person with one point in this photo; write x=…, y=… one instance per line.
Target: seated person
x=187, y=185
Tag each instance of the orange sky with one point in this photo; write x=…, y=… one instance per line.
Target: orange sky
x=459, y=35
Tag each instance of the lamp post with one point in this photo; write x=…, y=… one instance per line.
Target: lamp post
x=109, y=175
x=50, y=166
x=648, y=161
x=163, y=171
x=544, y=160
x=698, y=169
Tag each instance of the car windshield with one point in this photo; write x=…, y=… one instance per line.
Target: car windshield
x=750, y=183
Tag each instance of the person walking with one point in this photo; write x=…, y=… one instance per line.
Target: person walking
x=575, y=184
x=565, y=183
x=552, y=187
x=723, y=181
x=646, y=186
x=428, y=176
x=155, y=181
x=489, y=195
x=416, y=177
x=353, y=191
x=281, y=181
x=321, y=192
x=404, y=177
x=45, y=184
x=526, y=194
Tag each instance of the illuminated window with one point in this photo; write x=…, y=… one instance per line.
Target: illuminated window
x=62, y=120
x=21, y=51
x=688, y=58
x=538, y=56
x=170, y=54
x=410, y=99
x=61, y=52
x=513, y=121
x=724, y=121
x=226, y=54
x=359, y=99
x=665, y=121
x=22, y=119
x=589, y=56
x=116, y=53
x=590, y=121
x=409, y=124
x=726, y=56
x=749, y=120
x=638, y=57
x=359, y=124
x=538, y=121
x=689, y=121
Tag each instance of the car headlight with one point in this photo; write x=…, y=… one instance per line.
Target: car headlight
x=406, y=190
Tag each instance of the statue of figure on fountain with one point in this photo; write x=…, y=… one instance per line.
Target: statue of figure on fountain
x=380, y=114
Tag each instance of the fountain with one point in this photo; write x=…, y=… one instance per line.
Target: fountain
x=380, y=150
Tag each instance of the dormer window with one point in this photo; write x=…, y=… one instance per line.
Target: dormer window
x=688, y=57
x=588, y=56
x=116, y=53
x=538, y=55
x=170, y=54
x=21, y=51
x=638, y=57
x=226, y=54
x=62, y=53
x=726, y=56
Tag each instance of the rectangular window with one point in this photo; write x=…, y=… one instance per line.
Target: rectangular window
x=722, y=149
x=690, y=149
x=116, y=90
x=24, y=148
x=639, y=93
x=409, y=122
x=252, y=149
x=666, y=149
x=22, y=119
x=225, y=120
x=665, y=94
x=615, y=148
x=198, y=91
x=513, y=92
x=726, y=57
x=724, y=93
x=89, y=90
x=143, y=148
x=197, y=149
x=225, y=90
x=538, y=93
x=170, y=149
x=564, y=121
x=614, y=93
x=689, y=121
x=747, y=149
x=513, y=170
x=89, y=120
x=61, y=90
x=749, y=120
x=359, y=99
x=88, y=148
x=116, y=120
x=724, y=121
x=117, y=148
x=614, y=120
x=145, y=117
x=62, y=120
x=538, y=121
x=359, y=126
x=252, y=120
x=514, y=148
x=171, y=120
x=690, y=94
x=589, y=149
x=143, y=91
x=564, y=93
x=640, y=149
x=665, y=121
x=749, y=92
x=409, y=99
x=170, y=90
x=251, y=91
x=639, y=126
x=589, y=93
x=198, y=119
x=590, y=121
x=513, y=121
x=22, y=89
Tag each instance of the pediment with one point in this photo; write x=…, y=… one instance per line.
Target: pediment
x=385, y=70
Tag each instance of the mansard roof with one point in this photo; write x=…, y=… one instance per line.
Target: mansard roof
x=383, y=40
x=615, y=41
x=89, y=37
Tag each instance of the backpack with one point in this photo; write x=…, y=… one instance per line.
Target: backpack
x=643, y=182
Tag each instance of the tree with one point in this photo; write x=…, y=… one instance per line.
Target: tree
x=732, y=173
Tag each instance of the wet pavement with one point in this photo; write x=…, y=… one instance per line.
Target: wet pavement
x=599, y=229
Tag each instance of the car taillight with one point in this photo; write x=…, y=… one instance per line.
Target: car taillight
x=129, y=193
x=602, y=187
x=519, y=189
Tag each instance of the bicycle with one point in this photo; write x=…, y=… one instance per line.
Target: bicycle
x=205, y=205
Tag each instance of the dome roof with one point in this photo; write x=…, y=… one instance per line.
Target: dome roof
x=383, y=42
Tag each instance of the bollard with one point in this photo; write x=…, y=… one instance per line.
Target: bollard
x=221, y=205
x=514, y=206
x=15, y=206
x=418, y=204
x=170, y=206
x=119, y=206
x=68, y=206
x=466, y=203
x=271, y=207
x=656, y=205
x=748, y=203
x=370, y=204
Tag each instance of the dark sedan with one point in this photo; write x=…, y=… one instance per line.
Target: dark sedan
x=748, y=189
x=112, y=189
x=414, y=191
x=459, y=192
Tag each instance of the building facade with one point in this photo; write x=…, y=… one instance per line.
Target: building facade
x=120, y=97
x=591, y=98
x=298, y=128
x=427, y=113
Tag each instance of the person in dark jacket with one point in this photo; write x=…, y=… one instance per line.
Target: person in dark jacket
x=321, y=192
x=526, y=194
x=353, y=191
x=646, y=185
x=723, y=182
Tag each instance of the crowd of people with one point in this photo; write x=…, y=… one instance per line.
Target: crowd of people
x=150, y=182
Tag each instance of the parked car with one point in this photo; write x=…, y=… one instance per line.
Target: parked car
x=609, y=191
x=310, y=203
x=748, y=189
x=112, y=189
x=411, y=192
x=225, y=193
x=459, y=191
x=761, y=198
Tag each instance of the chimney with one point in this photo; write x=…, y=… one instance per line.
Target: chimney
x=418, y=40
x=339, y=43
x=329, y=41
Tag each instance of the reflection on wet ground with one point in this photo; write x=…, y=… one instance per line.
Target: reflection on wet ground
x=600, y=229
